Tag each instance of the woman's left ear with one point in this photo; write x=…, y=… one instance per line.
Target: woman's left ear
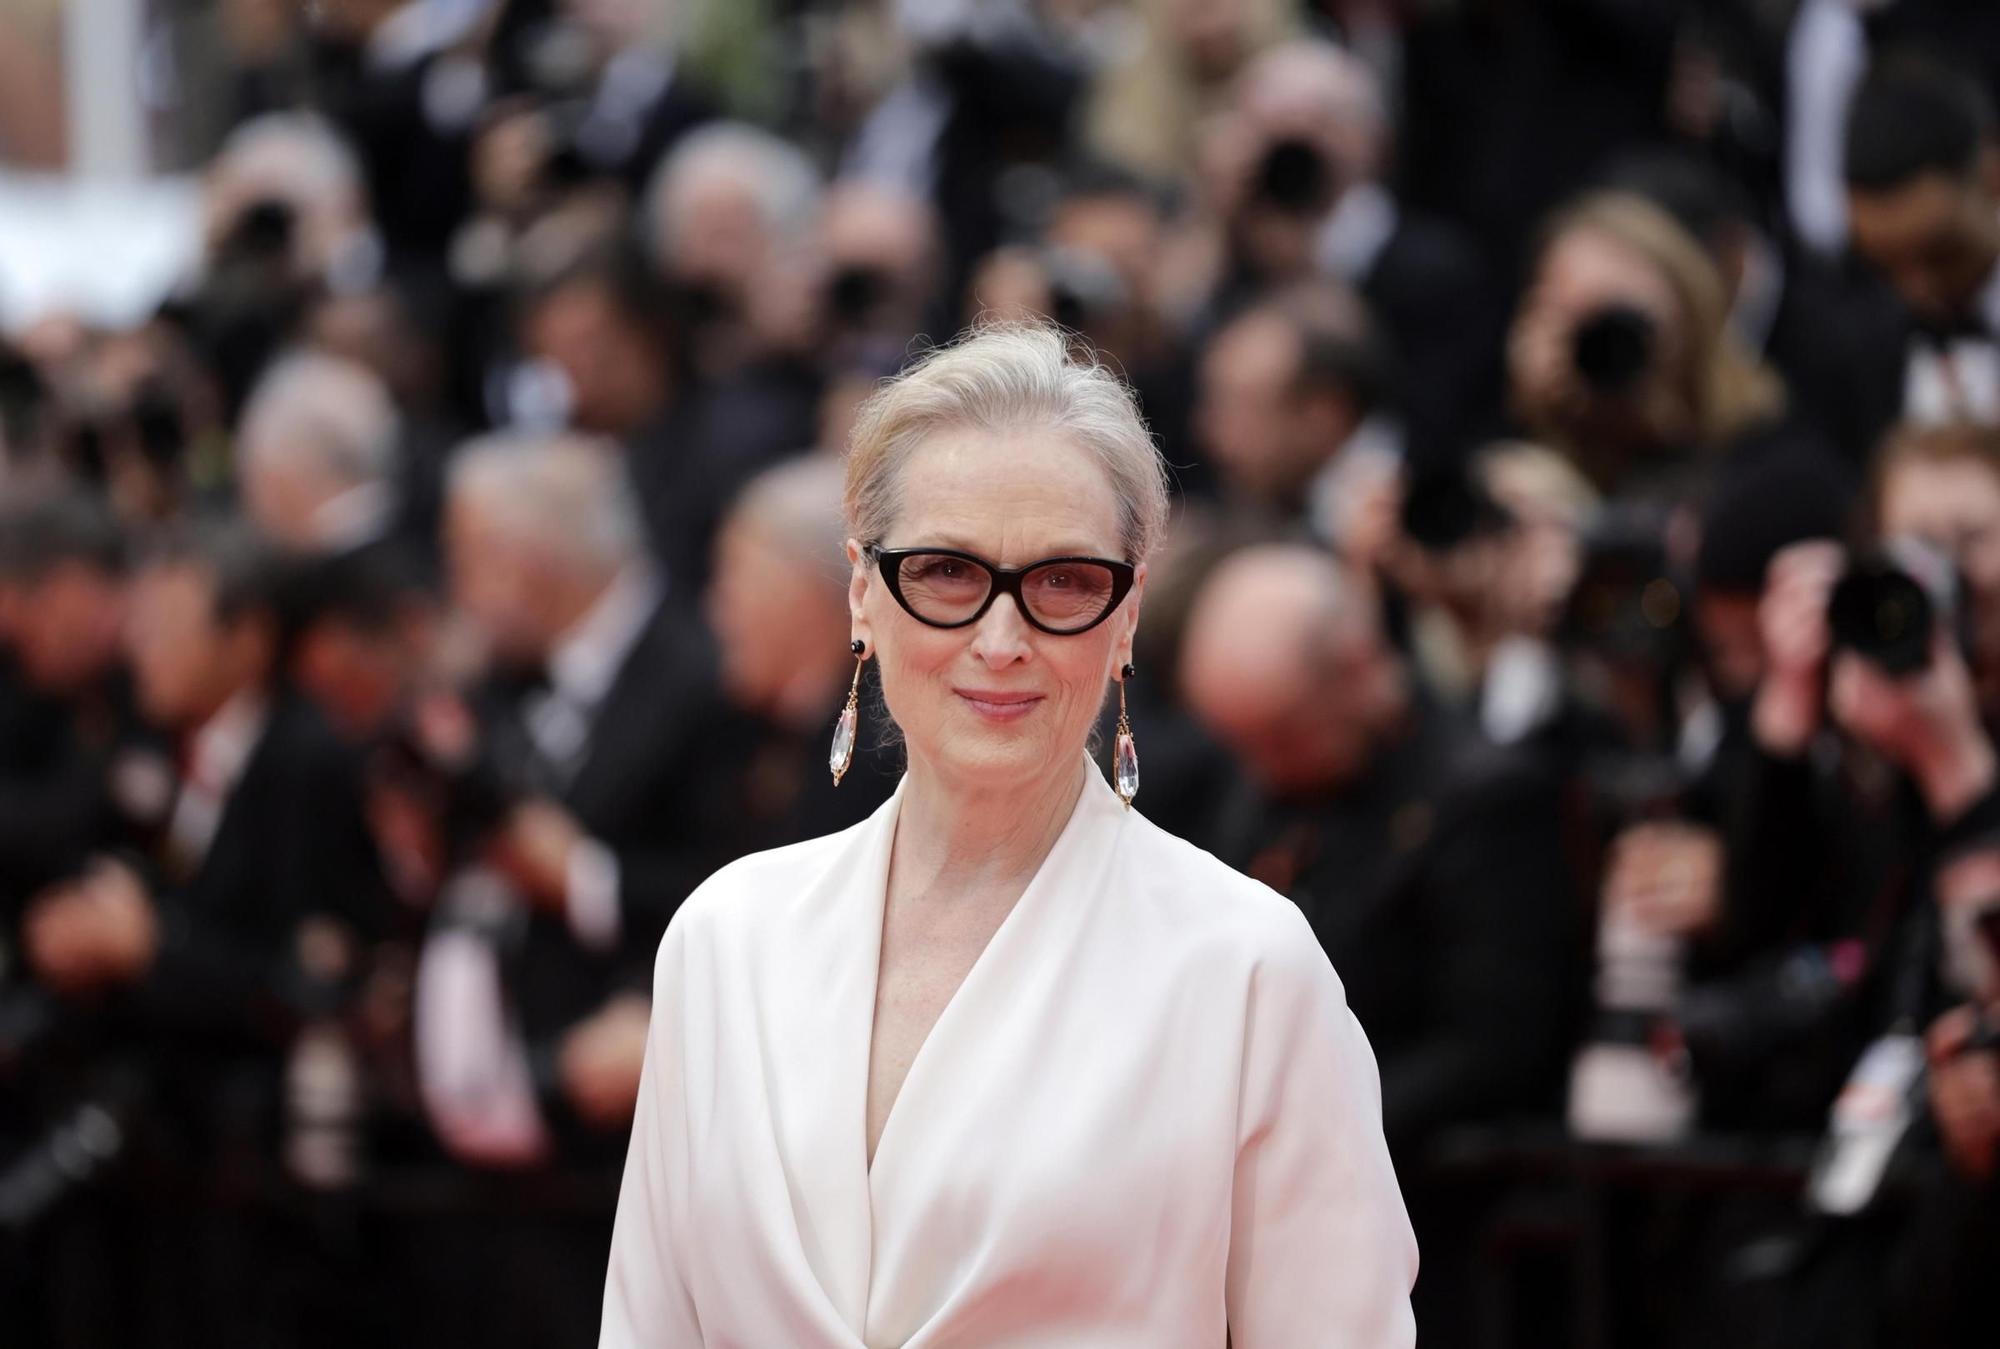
x=1130, y=618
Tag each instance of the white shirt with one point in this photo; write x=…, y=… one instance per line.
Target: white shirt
x=1960, y=380
x=472, y=1064
x=1145, y=1119
x=217, y=755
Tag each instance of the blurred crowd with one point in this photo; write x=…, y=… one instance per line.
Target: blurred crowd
x=1583, y=600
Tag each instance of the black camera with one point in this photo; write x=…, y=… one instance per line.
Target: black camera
x=1294, y=177
x=855, y=292
x=1612, y=348
x=1443, y=508
x=1887, y=606
x=261, y=235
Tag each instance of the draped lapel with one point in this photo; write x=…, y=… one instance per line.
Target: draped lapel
x=826, y=961
x=1018, y=969
x=817, y=1049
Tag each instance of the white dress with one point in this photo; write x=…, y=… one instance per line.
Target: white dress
x=1147, y=1115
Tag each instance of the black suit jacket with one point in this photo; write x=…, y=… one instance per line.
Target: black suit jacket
x=1437, y=888
x=655, y=784
x=1431, y=293
x=1842, y=344
x=293, y=843
x=690, y=463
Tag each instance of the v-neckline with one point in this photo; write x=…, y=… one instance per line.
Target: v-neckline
x=872, y=1163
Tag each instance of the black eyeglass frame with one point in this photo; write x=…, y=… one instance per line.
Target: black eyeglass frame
x=1001, y=581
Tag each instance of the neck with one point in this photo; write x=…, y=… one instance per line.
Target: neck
x=953, y=840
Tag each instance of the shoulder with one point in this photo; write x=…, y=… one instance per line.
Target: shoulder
x=746, y=899
x=1226, y=921
x=747, y=889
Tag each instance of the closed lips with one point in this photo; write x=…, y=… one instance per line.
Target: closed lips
x=999, y=704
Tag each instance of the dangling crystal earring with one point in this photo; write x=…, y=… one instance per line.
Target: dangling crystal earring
x=1125, y=756
x=843, y=729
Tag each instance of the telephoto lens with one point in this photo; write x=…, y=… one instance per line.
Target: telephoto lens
x=1295, y=177
x=1880, y=611
x=1612, y=348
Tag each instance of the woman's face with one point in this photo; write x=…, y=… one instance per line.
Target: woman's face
x=998, y=704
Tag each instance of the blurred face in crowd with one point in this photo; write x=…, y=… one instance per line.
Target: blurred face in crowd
x=1289, y=679
x=187, y=660
x=774, y=614
x=880, y=253
x=617, y=378
x=507, y=585
x=998, y=703
x=69, y=625
x=1250, y=414
x=1935, y=238
x=1954, y=505
x=1732, y=643
x=1582, y=274
x=283, y=498
x=723, y=243
x=355, y=673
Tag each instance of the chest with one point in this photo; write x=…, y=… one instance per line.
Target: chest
x=927, y=951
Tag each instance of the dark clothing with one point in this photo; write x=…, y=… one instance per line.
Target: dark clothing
x=788, y=791
x=1436, y=887
x=293, y=842
x=1841, y=345
x=652, y=784
x=1430, y=291
x=690, y=463
x=1509, y=108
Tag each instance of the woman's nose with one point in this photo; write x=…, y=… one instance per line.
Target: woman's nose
x=1001, y=637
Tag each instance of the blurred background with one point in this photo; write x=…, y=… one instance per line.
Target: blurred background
x=420, y=565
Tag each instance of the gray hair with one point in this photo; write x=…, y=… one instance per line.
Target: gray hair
x=796, y=506
x=777, y=174
x=566, y=493
x=1005, y=376
x=299, y=150
x=324, y=412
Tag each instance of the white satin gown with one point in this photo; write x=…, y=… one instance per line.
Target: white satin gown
x=1147, y=1117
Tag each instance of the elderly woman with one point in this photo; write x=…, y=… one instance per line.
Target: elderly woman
x=1004, y=1063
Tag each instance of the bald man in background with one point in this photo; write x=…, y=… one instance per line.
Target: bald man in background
x=1427, y=861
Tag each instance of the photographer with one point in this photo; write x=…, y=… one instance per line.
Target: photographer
x=1620, y=355
x=1296, y=175
x=580, y=825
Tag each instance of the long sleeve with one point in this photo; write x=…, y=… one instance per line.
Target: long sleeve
x=646, y=1299
x=1320, y=1247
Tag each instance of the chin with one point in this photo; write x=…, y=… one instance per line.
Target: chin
x=995, y=756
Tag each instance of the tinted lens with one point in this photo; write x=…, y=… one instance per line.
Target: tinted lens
x=1068, y=595
x=942, y=589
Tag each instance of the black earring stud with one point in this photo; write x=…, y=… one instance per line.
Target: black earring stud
x=857, y=646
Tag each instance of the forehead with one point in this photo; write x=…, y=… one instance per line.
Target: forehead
x=1940, y=487
x=1012, y=496
x=1256, y=348
x=1918, y=207
x=174, y=581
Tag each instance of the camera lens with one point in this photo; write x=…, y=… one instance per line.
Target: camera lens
x=854, y=293
x=1880, y=611
x=1295, y=177
x=1612, y=348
